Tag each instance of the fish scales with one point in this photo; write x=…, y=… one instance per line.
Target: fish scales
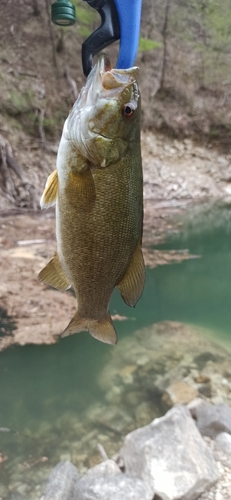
x=99, y=205
x=105, y=237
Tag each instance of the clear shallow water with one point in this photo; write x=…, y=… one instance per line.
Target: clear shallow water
x=41, y=384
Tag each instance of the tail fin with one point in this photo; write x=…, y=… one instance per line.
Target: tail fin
x=101, y=329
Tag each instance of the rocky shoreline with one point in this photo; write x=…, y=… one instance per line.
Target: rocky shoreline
x=186, y=454
x=165, y=460
x=153, y=383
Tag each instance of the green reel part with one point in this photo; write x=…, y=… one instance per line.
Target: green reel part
x=63, y=13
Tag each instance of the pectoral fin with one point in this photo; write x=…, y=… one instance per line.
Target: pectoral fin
x=101, y=329
x=80, y=189
x=53, y=275
x=132, y=284
x=50, y=192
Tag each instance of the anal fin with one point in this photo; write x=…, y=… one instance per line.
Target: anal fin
x=132, y=284
x=50, y=192
x=52, y=274
x=101, y=329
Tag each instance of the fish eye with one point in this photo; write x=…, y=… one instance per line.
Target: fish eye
x=128, y=110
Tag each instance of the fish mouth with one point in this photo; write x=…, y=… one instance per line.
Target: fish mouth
x=107, y=81
x=115, y=78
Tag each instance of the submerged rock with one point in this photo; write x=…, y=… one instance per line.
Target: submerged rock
x=157, y=356
x=178, y=393
x=171, y=457
x=62, y=482
x=162, y=382
x=115, y=418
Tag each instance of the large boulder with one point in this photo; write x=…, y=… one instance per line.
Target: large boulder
x=212, y=419
x=171, y=457
x=62, y=482
x=105, y=481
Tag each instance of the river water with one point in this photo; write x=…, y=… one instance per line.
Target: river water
x=42, y=385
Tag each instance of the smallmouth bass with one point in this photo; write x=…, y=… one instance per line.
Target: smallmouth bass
x=98, y=191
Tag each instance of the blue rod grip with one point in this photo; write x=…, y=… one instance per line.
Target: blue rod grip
x=129, y=12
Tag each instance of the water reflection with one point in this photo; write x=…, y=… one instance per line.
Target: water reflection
x=7, y=324
x=199, y=291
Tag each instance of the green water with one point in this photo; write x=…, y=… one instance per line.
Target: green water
x=43, y=383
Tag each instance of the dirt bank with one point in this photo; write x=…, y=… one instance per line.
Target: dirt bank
x=175, y=172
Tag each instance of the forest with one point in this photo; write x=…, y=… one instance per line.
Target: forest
x=184, y=58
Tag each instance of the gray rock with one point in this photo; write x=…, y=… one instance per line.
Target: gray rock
x=114, y=417
x=202, y=358
x=205, y=389
x=15, y=496
x=178, y=393
x=212, y=419
x=222, y=448
x=171, y=457
x=193, y=405
x=113, y=487
x=161, y=382
x=106, y=468
x=62, y=482
x=223, y=442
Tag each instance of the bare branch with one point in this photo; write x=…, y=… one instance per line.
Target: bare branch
x=9, y=187
x=72, y=83
x=165, y=36
x=102, y=451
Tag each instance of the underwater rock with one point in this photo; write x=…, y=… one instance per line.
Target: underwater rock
x=113, y=418
x=16, y=496
x=202, y=359
x=202, y=379
x=205, y=389
x=144, y=413
x=3, y=490
x=212, y=419
x=161, y=382
x=178, y=393
x=62, y=482
x=164, y=353
x=170, y=456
